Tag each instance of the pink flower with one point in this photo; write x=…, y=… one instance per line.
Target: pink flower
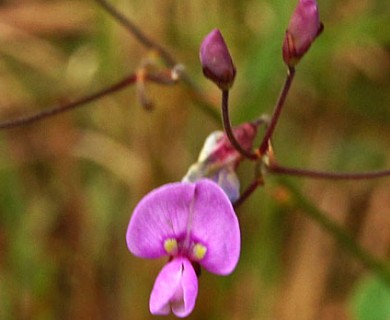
x=193, y=224
x=217, y=64
x=303, y=29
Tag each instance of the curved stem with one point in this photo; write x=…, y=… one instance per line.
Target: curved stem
x=277, y=111
x=275, y=168
x=228, y=128
x=378, y=266
x=24, y=120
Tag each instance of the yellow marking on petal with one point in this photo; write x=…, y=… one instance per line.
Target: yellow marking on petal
x=170, y=246
x=199, y=251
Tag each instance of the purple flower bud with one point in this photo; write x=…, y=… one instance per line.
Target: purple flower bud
x=303, y=29
x=216, y=61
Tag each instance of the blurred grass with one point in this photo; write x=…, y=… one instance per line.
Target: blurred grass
x=68, y=184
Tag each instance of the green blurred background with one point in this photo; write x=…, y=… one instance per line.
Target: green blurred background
x=68, y=184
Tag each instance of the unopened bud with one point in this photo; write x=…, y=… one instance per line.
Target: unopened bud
x=216, y=61
x=303, y=29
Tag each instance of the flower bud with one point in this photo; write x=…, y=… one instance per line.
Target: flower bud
x=216, y=61
x=303, y=29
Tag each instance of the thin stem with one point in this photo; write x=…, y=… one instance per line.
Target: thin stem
x=248, y=192
x=277, y=111
x=195, y=92
x=24, y=120
x=378, y=266
x=275, y=168
x=228, y=128
x=133, y=29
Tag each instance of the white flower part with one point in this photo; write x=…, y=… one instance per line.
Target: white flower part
x=209, y=145
x=196, y=172
x=225, y=175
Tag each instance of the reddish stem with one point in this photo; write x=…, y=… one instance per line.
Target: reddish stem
x=277, y=111
x=248, y=192
x=161, y=78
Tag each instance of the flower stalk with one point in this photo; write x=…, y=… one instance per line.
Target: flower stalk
x=277, y=111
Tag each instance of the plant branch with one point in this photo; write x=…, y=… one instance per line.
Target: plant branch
x=137, y=33
x=277, y=111
x=24, y=120
x=381, y=268
x=166, y=56
x=313, y=174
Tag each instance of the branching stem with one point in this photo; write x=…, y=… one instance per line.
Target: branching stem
x=170, y=61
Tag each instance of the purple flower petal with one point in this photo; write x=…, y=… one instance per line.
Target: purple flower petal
x=176, y=288
x=199, y=216
x=215, y=223
x=160, y=215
